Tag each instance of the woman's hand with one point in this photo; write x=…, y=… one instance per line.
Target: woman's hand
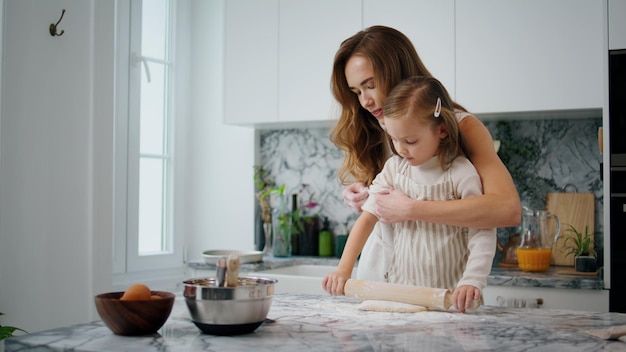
x=464, y=297
x=355, y=195
x=393, y=206
x=334, y=282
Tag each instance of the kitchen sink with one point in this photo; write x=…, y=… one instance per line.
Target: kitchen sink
x=301, y=278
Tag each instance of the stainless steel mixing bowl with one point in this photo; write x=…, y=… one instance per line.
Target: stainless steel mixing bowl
x=228, y=310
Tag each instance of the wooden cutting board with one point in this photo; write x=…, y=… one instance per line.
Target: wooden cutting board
x=576, y=209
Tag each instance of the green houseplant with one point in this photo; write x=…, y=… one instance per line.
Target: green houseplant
x=7, y=331
x=580, y=245
x=288, y=225
x=280, y=226
x=265, y=186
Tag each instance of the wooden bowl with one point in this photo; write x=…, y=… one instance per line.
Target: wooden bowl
x=133, y=318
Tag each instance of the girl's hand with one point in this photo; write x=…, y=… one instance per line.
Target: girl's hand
x=334, y=282
x=393, y=206
x=355, y=195
x=464, y=297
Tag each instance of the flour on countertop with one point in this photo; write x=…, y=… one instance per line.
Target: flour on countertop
x=347, y=309
x=375, y=305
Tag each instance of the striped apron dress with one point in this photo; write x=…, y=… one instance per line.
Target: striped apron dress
x=427, y=254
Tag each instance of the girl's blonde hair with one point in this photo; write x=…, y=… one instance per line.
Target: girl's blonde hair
x=357, y=133
x=426, y=100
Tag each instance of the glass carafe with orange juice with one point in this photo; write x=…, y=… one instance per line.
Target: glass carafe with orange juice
x=535, y=249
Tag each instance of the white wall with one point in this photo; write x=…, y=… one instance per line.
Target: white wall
x=56, y=158
x=221, y=157
x=55, y=162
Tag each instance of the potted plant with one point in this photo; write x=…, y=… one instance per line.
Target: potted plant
x=581, y=247
x=289, y=227
x=7, y=331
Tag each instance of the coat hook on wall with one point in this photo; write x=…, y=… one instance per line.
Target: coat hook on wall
x=53, y=26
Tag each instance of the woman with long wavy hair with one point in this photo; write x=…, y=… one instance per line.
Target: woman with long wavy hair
x=366, y=68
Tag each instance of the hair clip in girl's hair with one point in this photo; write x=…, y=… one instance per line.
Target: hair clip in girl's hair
x=438, y=108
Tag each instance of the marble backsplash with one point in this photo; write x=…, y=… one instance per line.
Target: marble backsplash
x=542, y=155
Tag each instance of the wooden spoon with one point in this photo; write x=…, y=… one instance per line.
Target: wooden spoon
x=232, y=270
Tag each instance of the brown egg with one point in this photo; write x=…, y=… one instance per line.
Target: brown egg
x=155, y=297
x=136, y=292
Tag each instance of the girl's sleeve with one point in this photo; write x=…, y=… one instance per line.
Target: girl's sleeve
x=482, y=247
x=382, y=182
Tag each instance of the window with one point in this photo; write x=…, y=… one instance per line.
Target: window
x=148, y=83
x=150, y=116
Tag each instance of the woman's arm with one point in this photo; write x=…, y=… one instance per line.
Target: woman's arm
x=355, y=195
x=499, y=206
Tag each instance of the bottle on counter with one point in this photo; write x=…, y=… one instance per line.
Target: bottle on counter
x=309, y=243
x=295, y=224
x=340, y=241
x=309, y=222
x=326, y=240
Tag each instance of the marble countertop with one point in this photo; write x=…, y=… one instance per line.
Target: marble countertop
x=328, y=323
x=500, y=276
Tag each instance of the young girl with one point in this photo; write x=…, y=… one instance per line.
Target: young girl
x=429, y=164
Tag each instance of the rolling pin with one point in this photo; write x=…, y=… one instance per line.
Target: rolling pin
x=437, y=298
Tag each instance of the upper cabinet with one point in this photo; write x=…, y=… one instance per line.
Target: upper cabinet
x=430, y=26
x=493, y=56
x=310, y=32
x=514, y=56
x=251, y=61
x=279, y=56
x=617, y=24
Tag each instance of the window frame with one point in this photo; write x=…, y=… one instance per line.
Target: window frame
x=128, y=265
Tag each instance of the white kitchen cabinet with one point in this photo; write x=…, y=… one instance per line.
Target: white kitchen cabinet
x=514, y=56
x=279, y=56
x=310, y=32
x=429, y=25
x=551, y=298
x=617, y=24
x=251, y=61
